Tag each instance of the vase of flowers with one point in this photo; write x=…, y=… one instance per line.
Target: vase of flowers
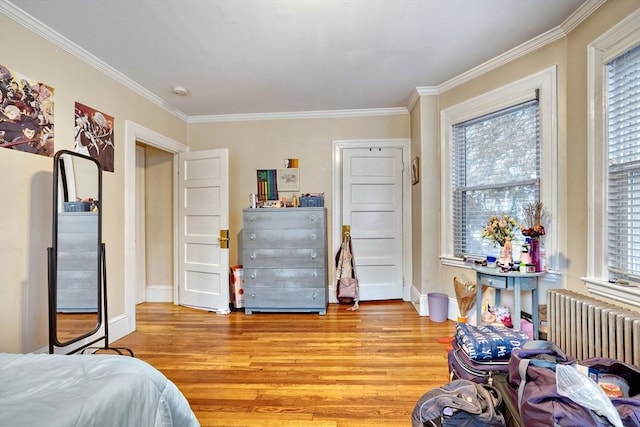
x=534, y=215
x=499, y=231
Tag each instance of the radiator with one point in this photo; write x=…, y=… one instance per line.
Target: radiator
x=586, y=327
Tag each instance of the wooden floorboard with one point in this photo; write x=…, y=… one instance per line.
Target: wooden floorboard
x=344, y=369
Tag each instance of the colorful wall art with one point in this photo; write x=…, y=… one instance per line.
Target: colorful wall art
x=26, y=114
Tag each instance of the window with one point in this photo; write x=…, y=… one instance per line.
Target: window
x=623, y=176
x=498, y=154
x=614, y=162
x=496, y=170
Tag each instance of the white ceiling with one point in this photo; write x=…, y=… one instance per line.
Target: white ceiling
x=247, y=57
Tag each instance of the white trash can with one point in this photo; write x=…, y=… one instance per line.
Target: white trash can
x=438, y=306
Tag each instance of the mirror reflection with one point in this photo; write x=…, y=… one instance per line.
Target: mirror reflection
x=76, y=248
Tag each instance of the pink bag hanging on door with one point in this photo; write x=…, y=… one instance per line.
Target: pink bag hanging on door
x=348, y=291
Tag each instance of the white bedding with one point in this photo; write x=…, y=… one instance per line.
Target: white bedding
x=88, y=390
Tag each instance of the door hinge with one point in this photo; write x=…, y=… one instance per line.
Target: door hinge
x=224, y=239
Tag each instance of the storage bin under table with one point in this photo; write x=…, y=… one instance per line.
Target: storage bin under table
x=512, y=281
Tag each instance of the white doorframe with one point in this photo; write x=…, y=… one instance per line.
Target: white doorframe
x=336, y=235
x=141, y=245
x=126, y=324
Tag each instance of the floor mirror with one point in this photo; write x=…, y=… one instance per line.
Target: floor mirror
x=77, y=258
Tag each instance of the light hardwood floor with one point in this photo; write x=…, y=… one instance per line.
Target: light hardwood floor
x=345, y=369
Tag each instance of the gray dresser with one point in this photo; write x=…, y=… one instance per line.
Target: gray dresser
x=77, y=262
x=284, y=257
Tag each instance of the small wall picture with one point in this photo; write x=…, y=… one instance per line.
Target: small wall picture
x=291, y=163
x=415, y=171
x=288, y=179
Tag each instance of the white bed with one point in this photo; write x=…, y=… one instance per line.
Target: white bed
x=88, y=390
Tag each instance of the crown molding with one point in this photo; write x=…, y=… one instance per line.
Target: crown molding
x=296, y=115
x=550, y=36
x=580, y=14
x=42, y=30
x=421, y=91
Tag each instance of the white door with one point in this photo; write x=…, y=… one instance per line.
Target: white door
x=372, y=206
x=203, y=214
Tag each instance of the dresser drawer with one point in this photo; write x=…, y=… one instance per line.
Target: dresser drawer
x=281, y=258
x=278, y=278
x=290, y=298
x=290, y=238
x=78, y=260
x=284, y=219
x=492, y=281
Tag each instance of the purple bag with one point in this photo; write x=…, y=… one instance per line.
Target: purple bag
x=532, y=379
x=479, y=371
x=629, y=406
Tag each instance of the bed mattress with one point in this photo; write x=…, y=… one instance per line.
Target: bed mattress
x=88, y=390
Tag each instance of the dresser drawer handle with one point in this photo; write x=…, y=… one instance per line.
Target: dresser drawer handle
x=253, y=256
x=313, y=255
x=315, y=295
x=314, y=274
x=312, y=218
x=253, y=275
x=252, y=218
x=313, y=236
x=253, y=296
x=252, y=236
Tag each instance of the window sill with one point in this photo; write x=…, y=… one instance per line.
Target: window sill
x=454, y=261
x=626, y=294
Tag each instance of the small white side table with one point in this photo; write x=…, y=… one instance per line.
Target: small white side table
x=513, y=281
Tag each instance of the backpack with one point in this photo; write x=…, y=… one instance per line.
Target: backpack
x=460, y=403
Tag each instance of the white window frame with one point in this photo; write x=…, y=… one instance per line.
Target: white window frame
x=506, y=96
x=602, y=50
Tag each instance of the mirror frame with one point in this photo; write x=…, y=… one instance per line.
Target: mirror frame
x=60, y=184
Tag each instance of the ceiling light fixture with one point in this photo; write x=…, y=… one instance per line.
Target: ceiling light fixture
x=180, y=91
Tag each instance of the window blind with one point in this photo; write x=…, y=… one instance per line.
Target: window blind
x=495, y=171
x=623, y=149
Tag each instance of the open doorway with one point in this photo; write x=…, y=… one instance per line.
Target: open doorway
x=154, y=224
x=136, y=134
